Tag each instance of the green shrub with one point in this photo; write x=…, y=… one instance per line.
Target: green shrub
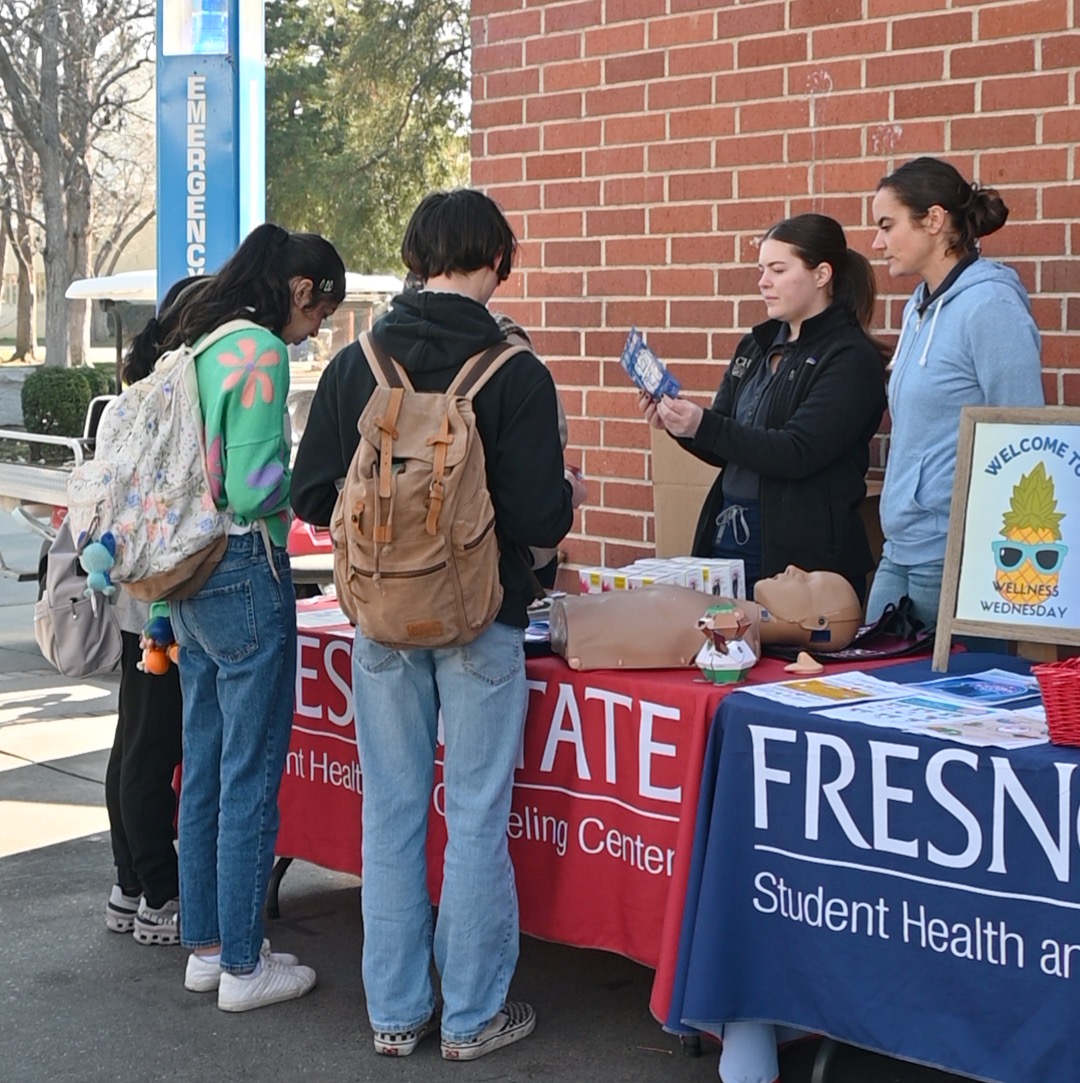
x=101, y=383
x=54, y=402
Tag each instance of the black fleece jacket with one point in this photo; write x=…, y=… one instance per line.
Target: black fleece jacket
x=824, y=405
x=432, y=334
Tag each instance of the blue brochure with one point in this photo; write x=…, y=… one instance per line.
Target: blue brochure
x=646, y=369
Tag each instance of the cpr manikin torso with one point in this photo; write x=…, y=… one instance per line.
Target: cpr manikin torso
x=819, y=610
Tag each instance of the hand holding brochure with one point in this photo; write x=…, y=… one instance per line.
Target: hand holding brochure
x=646, y=369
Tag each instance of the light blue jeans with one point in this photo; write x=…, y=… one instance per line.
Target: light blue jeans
x=920, y=582
x=237, y=673
x=480, y=689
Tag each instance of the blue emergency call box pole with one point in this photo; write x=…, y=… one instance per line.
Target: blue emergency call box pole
x=210, y=133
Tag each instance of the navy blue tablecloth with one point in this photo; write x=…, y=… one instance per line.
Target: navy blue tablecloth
x=903, y=893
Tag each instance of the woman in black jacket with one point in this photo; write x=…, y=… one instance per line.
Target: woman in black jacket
x=791, y=425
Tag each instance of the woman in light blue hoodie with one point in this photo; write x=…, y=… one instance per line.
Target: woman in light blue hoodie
x=967, y=338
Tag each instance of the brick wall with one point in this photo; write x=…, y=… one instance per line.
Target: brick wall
x=640, y=147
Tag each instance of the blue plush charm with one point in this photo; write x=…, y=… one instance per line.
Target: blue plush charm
x=96, y=560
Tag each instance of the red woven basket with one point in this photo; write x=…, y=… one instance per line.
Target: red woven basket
x=1060, y=686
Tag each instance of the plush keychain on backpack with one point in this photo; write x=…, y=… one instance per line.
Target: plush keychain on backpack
x=96, y=559
x=158, y=642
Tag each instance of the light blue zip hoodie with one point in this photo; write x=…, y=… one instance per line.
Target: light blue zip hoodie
x=976, y=345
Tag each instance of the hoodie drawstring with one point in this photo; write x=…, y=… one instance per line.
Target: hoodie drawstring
x=930, y=337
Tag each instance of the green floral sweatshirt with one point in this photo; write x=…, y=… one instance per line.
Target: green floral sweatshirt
x=243, y=387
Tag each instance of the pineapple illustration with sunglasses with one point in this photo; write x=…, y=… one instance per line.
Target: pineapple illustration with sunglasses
x=1029, y=555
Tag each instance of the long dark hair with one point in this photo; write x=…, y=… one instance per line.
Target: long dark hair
x=147, y=346
x=818, y=239
x=973, y=211
x=254, y=283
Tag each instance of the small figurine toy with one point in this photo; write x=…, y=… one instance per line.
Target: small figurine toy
x=730, y=639
x=159, y=645
x=96, y=559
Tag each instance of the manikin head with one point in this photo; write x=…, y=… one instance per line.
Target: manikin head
x=819, y=610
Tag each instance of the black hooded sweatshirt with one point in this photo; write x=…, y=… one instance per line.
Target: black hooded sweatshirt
x=432, y=334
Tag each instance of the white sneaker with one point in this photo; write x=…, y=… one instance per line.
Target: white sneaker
x=157, y=926
x=274, y=983
x=120, y=910
x=204, y=977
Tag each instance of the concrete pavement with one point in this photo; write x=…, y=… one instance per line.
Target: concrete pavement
x=81, y=1004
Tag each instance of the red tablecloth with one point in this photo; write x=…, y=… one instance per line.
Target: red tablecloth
x=604, y=803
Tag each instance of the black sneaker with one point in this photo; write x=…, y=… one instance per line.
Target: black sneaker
x=514, y=1022
x=120, y=910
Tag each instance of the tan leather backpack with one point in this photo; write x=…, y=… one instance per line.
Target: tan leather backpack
x=416, y=561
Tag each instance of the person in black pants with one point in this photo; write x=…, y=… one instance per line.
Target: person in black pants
x=139, y=791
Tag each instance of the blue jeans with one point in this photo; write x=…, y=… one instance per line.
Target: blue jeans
x=480, y=689
x=920, y=582
x=237, y=673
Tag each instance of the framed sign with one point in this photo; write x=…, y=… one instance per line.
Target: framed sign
x=1012, y=561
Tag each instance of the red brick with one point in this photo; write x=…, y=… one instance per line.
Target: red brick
x=571, y=194
x=681, y=30
x=710, y=314
x=724, y=344
x=693, y=187
x=822, y=145
x=516, y=197
x=708, y=248
x=572, y=314
x=1060, y=51
x=572, y=75
x=496, y=114
x=618, y=403
x=746, y=213
x=635, y=252
x=862, y=108
x=680, y=282
x=487, y=58
x=917, y=33
x=621, y=99
x=626, y=434
x=977, y=132
x=1021, y=165
x=680, y=344
x=563, y=345
x=600, y=462
x=816, y=12
x=684, y=218
x=643, y=313
x=679, y=93
x=613, y=160
x=774, y=116
x=487, y=171
x=877, y=8
x=691, y=123
x=571, y=133
x=1023, y=20
x=744, y=86
x=604, y=343
x=925, y=67
x=822, y=81
x=582, y=432
x=556, y=283
x=612, y=40
x=778, y=180
x=1061, y=350
x=1062, y=126
x=575, y=370
x=634, y=191
x=1025, y=92
x=1003, y=58
x=555, y=224
x=1060, y=276
x=860, y=40
x=670, y=157
x=547, y=107
x=629, y=495
x=739, y=150
x=547, y=166
x=573, y=16
x=552, y=47
x=943, y=99
x=511, y=26
x=621, y=222
x=713, y=57
x=634, y=69
x=737, y=281
x=1058, y=202
x=640, y=129
x=767, y=52
x=519, y=140
x=1030, y=239
x=511, y=84
x=1047, y=313
x=746, y=19
x=571, y=254
x=617, y=11
x=489, y=7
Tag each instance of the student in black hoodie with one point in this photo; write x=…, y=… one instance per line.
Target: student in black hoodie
x=461, y=246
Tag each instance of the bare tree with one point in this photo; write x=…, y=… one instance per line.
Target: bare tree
x=67, y=67
x=20, y=225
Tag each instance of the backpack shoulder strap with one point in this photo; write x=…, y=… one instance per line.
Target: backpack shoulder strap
x=479, y=368
x=386, y=370
x=227, y=328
